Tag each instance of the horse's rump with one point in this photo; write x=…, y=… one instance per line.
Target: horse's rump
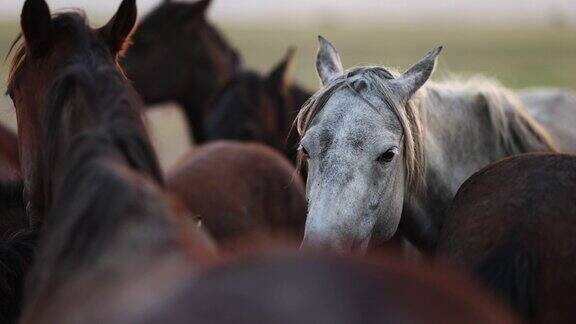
x=512, y=224
x=240, y=189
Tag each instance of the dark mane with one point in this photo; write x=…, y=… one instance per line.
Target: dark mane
x=101, y=198
x=16, y=256
x=13, y=218
x=106, y=104
x=11, y=193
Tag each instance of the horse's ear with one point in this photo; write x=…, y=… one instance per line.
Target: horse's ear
x=279, y=76
x=201, y=6
x=116, y=32
x=409, y=82
x=36, y=25
x=193, y=11
x=328, y=62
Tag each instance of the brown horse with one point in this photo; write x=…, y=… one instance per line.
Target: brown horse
x=17, y=243
x=13, y=218
x=9, y=157
x=513, y=224
x=16, y=257
x=251, y=107
x=284, y=288
x=177, y=55
x=240, y=190
x=112, y=241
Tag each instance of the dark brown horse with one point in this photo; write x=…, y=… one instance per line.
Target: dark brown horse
x=284, y=288
x=13, y=218
x=112, y=241
x=16, y=257
x=513, y=224
x=240, y=190
x=177, y=55
x=17, y=243
x=9, y=157
x=251, y=107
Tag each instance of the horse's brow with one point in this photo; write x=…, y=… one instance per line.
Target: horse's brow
x=326, y=138
x=356, y=138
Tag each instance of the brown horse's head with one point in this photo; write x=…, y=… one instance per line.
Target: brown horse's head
x=51, y=49
x=178, y=56
x=251, y=107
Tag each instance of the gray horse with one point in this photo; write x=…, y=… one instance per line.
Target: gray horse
x=388, y=150
x=555, y=110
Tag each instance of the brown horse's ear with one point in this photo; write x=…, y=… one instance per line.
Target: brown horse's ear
x=116, y=32
x=36, y=25
x=279, y=76
x=201, y=6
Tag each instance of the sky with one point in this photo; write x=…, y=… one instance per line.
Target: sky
x=294, y=12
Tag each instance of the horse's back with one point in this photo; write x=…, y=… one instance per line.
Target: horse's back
x=514, y=224
x=284, y=289
x=555, y=109
x=240, y=188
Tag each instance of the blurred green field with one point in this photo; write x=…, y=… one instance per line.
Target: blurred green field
x=518, y=57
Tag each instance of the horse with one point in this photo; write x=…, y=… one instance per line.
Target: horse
x=112, y=240
x=252, y=107
x=17, y=242
x=388, y=151
x=555, y=109
x=13, y=217
x=280, y=287
x=241, y=192
x=16, y=257
x=177, y=55
x=17, y=247
x=513, y=225
x=9, y=156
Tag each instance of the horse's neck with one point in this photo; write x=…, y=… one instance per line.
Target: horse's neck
x=297, y=97
x=463, y=132
x=459, y=139
x=101, y=204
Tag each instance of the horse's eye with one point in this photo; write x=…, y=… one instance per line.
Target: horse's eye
x=304, y=151
x=387, y=156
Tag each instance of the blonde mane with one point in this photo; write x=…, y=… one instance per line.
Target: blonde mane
x=517, y=131
x=408, y=116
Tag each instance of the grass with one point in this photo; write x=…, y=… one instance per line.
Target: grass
x=518, y=57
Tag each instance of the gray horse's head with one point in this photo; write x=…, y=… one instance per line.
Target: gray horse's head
x=362, y=139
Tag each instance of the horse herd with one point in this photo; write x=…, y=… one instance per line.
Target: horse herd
x=418, y=201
